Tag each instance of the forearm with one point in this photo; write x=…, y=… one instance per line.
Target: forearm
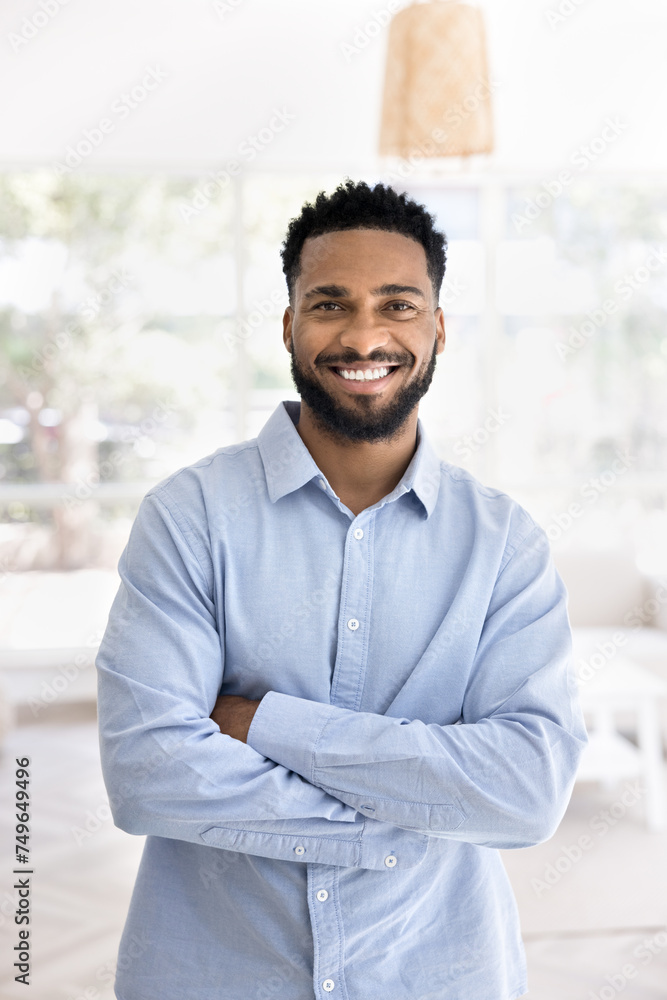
x=503, y=776
x=179, y=777
x=501, y=782
x=169, y=770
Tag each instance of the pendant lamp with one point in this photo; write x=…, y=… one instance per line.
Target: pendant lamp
x=437, y=92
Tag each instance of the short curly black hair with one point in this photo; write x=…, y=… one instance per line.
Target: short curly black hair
x=355, y=205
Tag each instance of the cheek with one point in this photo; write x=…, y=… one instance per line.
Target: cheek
x=321, y=342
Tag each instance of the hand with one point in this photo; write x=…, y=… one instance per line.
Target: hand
x=233, y=714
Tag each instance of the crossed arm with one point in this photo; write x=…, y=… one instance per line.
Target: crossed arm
x=262, y=776
x=233, y=714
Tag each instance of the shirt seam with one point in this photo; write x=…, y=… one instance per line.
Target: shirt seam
x=227, y=451
x=511, y=549
x=182, y=533
x=490, y=492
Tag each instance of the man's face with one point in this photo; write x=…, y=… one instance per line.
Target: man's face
x=363, y=300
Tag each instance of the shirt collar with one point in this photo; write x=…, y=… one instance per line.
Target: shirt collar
x=288, y=465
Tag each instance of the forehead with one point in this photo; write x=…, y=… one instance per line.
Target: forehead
x=360, y=255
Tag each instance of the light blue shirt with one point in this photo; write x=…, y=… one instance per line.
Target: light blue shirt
x=418, y=712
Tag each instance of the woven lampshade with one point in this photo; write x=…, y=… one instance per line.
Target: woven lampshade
x=437, y=94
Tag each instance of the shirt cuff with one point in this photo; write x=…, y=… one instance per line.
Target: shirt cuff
x=286, y=730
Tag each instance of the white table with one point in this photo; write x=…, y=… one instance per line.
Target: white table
x=622, y=686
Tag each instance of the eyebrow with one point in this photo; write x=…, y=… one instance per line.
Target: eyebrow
x=334, y=291
x=398, y=290
x=338, y=292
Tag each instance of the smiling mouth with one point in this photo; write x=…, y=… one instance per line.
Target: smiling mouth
x=365, y=376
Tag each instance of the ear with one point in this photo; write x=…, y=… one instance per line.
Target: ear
x=440, y=329
x=288, y=319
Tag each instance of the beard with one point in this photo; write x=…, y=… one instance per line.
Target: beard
x=366, y=418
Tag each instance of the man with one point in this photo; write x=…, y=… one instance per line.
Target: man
x=336, y=676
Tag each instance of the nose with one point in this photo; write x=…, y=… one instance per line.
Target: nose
x=365, y=332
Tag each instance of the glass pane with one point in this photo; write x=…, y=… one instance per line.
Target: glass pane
x=584, y=356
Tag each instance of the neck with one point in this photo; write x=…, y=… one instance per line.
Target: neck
x=361, y=472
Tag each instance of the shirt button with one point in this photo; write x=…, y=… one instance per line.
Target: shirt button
x=358, y=532
x=320, y=482
x=391, y=861
x=299, y=850
x=322, y=895
x=353, y=624
x=328, y=985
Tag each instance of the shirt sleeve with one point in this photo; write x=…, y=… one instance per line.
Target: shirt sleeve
x=503, y=775
x=168, y=769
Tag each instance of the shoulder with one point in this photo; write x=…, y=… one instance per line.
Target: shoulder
x=489, y=511
x=191, y=494
x=232, y=463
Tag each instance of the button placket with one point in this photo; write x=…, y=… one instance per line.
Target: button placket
x=325, y=918
x=354, y=615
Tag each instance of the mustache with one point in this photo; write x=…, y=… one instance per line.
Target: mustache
x=341, y=362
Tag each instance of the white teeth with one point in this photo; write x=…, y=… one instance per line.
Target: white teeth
x=367, y=375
